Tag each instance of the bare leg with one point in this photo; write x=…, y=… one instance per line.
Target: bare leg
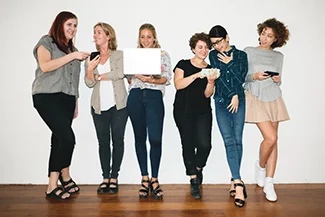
x=269, y=134
x=271, y=162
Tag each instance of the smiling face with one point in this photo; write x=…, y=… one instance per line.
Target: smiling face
x=201, y=50
x=100, y=37
x=220, y=44
x=146, y=38
x=70, y=28
x=267, y=38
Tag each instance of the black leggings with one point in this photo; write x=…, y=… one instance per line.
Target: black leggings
x=57, y=110
x=195, y=133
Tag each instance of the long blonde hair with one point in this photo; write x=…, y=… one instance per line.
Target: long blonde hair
x=109, y=31
x=151, y=28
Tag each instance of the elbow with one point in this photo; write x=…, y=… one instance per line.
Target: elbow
x=44, y=68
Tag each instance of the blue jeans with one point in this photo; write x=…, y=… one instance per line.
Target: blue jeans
x=110, y=122
x=146, y=111
x=231, y=127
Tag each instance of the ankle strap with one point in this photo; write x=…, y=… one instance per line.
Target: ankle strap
x=239, y=184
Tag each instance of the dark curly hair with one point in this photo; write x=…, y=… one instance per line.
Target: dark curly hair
x=280, y=30
x=200, y=37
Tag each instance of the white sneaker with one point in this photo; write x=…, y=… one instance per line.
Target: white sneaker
x=269, y=190
x=260, y=174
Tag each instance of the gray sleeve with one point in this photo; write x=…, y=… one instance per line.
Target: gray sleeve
x=46, y=41
x=89, y=82
x=279, y=68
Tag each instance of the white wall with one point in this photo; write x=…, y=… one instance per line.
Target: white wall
x=25, y=139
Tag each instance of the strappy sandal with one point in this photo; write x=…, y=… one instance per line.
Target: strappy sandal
x=103, y=188
x=239, y=202
x=144, y=190
x=67, y=185
x=232, y=193
x=157, y=190
x=113, y=190
x=59, y=196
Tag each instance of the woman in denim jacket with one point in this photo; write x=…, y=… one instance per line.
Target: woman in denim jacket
x=229, y=101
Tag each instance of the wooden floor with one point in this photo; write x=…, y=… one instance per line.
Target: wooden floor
x=303, y=200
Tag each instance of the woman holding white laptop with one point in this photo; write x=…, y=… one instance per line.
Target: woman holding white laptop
x=146, y=110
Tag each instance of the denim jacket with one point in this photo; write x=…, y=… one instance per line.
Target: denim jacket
x=232, y=75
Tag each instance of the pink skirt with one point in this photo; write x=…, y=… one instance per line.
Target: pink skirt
x=258, y=111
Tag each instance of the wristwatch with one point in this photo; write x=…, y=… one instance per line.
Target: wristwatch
x=99, y=78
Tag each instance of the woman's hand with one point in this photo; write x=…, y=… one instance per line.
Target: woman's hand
x=276, y=78
x=92, y=64
x=76, y=110
x=260, y=76
x=233, y=106
x=144, y=78
x=213, y=76
x=224, y=58
x=79, y=55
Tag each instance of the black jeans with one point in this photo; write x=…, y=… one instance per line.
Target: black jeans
x=57, y=111
x=147, y=111
x=195, y=132
x=110, y=122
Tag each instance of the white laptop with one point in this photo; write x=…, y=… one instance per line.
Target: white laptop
x=144, y=61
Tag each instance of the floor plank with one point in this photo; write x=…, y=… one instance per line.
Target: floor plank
x=300, y=200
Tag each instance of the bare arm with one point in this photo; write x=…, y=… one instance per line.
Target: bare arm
x=48, y=65
x=180, y=82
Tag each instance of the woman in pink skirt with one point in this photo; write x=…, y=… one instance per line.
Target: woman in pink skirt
x=264, y=104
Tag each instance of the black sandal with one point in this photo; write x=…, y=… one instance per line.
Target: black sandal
x=67, y=187
x=144, y=189
x=155, y=191
x=113, y=190
x=239, y=202
x=59, y=196
x=103, y=189
x=232, y=193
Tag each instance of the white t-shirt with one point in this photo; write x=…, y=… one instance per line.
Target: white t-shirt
x=106, y=92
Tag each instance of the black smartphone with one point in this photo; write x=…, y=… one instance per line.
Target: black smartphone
x=271, y=73
x=94, y=54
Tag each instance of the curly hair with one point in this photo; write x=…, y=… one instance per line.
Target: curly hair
x=200, y=37
x=280, y=30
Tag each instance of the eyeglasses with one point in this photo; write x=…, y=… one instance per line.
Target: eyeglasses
x=218, y=42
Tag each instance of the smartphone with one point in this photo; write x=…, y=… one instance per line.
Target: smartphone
x=94, y=54
x=271, y=73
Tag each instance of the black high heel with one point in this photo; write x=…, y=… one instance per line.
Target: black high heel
x=157, y=190
x=239, y=202
x=144, y=189
x=232, y=193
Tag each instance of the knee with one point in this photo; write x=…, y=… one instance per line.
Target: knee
x=155, y=143
x=271, y=140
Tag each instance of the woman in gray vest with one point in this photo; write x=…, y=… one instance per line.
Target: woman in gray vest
x=264, y=104
x=104, y=73
x=55, y=93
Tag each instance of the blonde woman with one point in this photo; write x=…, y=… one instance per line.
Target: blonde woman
x=105, y=75
x=146, y=109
